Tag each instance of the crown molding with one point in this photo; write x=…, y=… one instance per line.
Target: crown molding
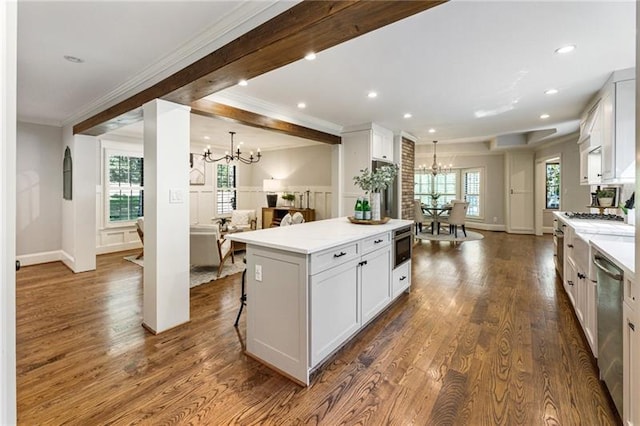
x=244, y=17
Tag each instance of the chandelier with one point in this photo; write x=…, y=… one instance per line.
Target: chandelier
x=233, y=155
x=436, y=168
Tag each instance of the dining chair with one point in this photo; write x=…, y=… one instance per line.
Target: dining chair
x=286, y=220
x=140, y=230
x=457, y=217
x=418, y=215
x=297, y=218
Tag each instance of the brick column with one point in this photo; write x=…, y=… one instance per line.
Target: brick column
x=407, y=176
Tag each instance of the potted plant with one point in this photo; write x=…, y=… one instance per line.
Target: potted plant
x=434, y=198
x=372, y=182
x=605, y=197
x=222, y=222
x=289, y=198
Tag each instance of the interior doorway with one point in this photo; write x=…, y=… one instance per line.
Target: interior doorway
x=548, y=197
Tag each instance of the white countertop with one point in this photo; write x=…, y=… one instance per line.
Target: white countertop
x=595, y=226
x=311, y=237
x=621, y=251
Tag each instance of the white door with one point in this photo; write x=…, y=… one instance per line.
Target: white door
x=520, y=202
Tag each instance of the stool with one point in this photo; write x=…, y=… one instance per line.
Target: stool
x=243, y=297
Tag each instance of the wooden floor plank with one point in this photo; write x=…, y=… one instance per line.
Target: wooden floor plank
x=486, y=336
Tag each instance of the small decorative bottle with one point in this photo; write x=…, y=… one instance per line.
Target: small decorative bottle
x=366, y=209
x=357, y=213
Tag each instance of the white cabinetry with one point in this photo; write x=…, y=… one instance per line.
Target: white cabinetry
x=336, y=287
x=401, y=279
x=631, y=366
x=374, y=283
x=360, y=146
x=607, y=133
x=347, y=292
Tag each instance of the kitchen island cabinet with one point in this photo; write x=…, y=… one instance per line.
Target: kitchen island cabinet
x=311, y=287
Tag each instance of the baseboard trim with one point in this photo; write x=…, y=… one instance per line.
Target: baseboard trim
x=112, y=248
x=37, y=258
x=485, y=226
x=68, y=260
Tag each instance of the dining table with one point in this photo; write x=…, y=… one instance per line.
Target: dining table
x=436, y=214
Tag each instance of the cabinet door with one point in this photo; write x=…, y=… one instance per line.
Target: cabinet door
x=570, y=281
x=401, y=278
x=590, y=314
x=608, y=134
x=625, y=131
x=375, y=282
x=631, y=367
x=382, y=145
x=334, y=309
x=584, y=164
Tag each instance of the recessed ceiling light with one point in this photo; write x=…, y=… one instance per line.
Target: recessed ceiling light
x=243, y=82
x=566, y=49
x=206, y=138
x=73, y=59
x=302, y=105
x=408, y=115
x=432, y=130
x=544, y=116
x=372, y=95
x=242, y=143
x=310, y=56
x=551, y=92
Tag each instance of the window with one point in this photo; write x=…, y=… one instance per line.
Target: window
x=443, y=184
x=225, y=188
x=463, y=184
x=125, y=194
x=471, y=192
x=552, y=184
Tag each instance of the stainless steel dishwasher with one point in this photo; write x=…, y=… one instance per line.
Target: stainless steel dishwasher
x=610, y=294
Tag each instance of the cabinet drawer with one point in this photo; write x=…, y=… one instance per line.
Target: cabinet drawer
x=401, y=279
x=376, y=242
x=318, y=262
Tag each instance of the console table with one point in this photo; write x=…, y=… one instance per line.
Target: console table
x=271, y=216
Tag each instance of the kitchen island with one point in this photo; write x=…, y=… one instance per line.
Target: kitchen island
x=311, y=287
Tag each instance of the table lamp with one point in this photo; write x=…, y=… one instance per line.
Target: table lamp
x=271, y=186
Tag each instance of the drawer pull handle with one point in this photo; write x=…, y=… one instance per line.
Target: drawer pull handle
x=402, y=278
x=378, y=241
x=342, y=253
x=581, y=276
x=364, y=262
x=632, y=326
x=570, y=245
x=570, y=282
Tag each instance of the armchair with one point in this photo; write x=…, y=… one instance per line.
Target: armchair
x=206, y=248
x=140, y=230
x=242, y=220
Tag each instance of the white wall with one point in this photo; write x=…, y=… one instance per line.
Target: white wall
x=477, y=155
x=574, y=197
x=39, y=193
x=8, y=37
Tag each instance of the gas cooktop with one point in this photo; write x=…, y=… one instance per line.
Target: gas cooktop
x=596, y=216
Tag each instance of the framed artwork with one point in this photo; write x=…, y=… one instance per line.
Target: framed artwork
x=197, y=171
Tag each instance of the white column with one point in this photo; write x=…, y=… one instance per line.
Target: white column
x=8, y=37
x=166, y=215
x=79, y=213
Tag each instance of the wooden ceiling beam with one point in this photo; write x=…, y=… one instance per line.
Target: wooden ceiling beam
x=213, y=109
x=288, y=37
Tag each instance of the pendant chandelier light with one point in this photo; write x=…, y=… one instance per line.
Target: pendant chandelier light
x=232, y=155
x=436, y=168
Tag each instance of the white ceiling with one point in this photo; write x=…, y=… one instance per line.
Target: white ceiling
x=443, y=66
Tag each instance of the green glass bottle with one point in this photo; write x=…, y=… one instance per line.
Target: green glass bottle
x=357, y=213
x=366, y=209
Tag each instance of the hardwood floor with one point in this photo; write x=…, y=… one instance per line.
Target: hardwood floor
x=486, y=336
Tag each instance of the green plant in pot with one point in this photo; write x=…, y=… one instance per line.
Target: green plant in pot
x=373, y=182
x=605, y=197
x=289, y=198
x=434, y=198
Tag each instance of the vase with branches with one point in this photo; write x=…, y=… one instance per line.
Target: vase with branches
x=373, y=182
